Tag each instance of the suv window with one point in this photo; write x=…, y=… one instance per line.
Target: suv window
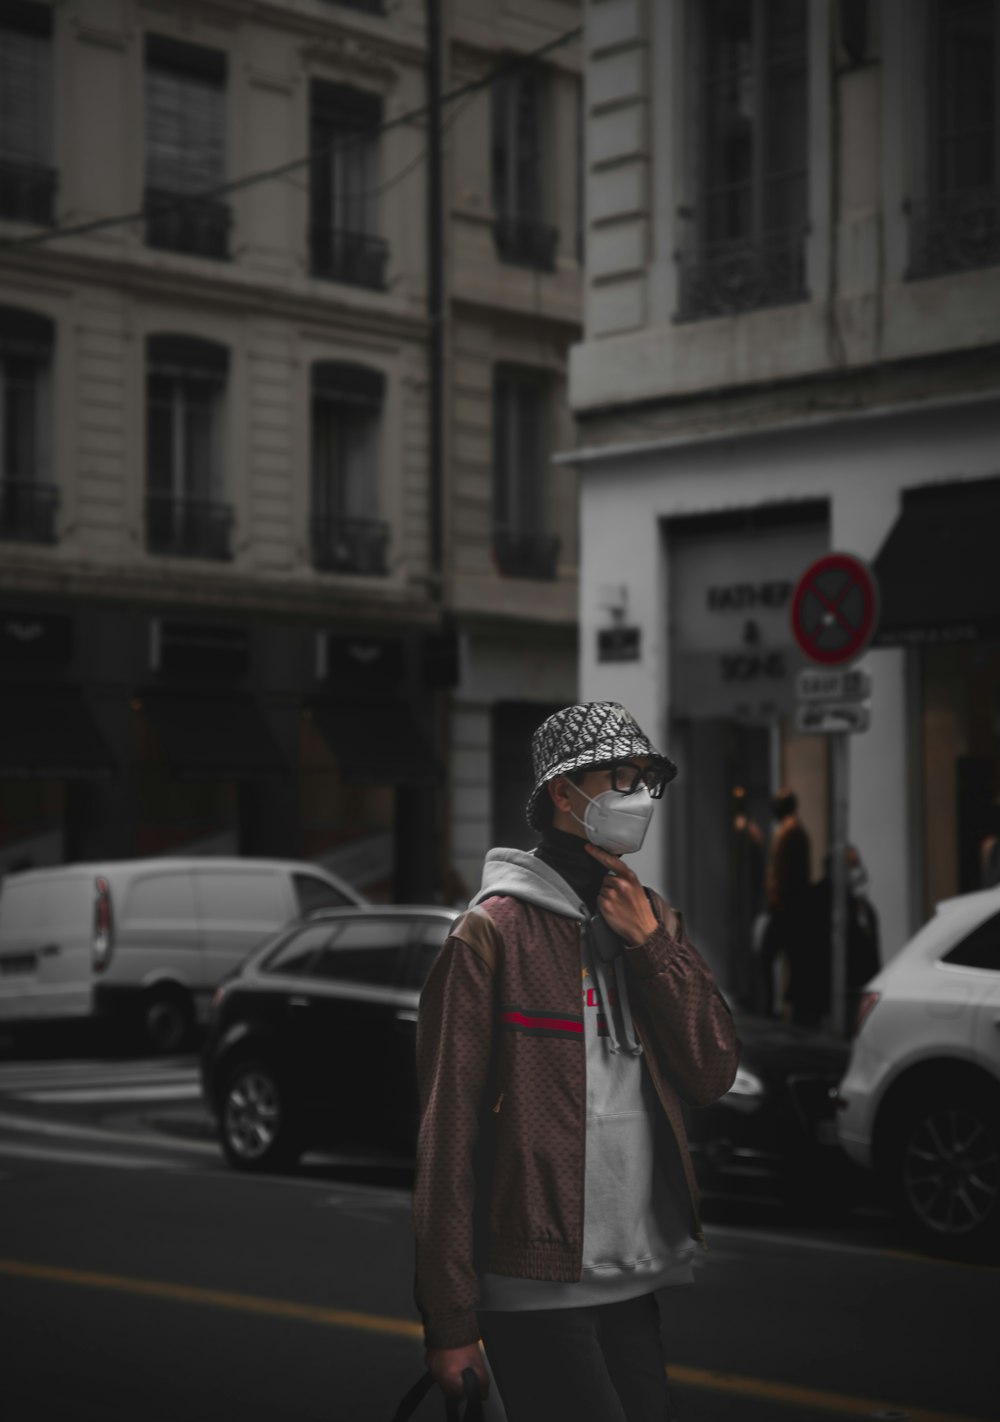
x=315, y=893
x=296, y=953
x=980, y=948
x=365, y=951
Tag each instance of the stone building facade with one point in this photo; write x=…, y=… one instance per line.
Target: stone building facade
x=231, y=570
x=792, y=345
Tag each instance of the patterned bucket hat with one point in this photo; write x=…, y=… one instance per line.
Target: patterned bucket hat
x=593, y=733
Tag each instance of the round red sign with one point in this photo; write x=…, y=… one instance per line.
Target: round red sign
x=835, y=609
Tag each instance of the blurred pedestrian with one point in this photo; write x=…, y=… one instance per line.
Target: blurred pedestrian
x=562, y=1023
x=789, y=874
x=989, y=849
x=746, y=894
x=812, y=957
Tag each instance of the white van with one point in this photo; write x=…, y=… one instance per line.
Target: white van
x=146, y=938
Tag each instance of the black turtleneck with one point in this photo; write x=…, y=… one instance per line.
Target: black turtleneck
x=565, y=853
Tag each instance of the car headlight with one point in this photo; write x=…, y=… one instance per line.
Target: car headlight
x=746, y=1084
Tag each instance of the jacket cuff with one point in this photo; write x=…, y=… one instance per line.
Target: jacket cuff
x=649, y=958
x=451, y=1330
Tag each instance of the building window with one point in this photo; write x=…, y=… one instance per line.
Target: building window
x=27, y=178
x=749, y=154
x=957, y=227
x=185, y=384
x=28, y=499
x=347, y=534
x=521, y=233
x=185, y=148
x=343, y=224
x=522, y=547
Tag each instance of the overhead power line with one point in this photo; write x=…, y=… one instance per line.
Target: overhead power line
x=473, y=86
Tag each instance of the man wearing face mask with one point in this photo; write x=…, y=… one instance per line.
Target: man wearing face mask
x=562, y=1024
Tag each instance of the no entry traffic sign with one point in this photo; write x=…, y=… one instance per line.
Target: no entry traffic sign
x=835, y=609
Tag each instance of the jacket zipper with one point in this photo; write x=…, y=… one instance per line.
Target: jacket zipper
x=698, y=1233
x=496, y=1108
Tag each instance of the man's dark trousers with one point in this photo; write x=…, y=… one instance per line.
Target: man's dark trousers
x=592, y=1364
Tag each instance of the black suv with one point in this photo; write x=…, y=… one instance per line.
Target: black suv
x=312, y=1041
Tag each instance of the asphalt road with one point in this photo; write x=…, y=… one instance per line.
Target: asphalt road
x=140, y=1279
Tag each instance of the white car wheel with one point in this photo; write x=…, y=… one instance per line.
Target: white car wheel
x=945, y=1168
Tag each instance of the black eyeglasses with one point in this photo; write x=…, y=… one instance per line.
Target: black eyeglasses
x=626, y=778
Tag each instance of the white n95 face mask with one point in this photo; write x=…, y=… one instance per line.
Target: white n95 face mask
x=617, y=822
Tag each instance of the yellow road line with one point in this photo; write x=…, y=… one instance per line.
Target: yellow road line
x=815, y=1399
x=214, y=1298
x=784, y=1394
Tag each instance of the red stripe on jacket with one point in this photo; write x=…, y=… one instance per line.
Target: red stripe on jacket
x=561, y=1024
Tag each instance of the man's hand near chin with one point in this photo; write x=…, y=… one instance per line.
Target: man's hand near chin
x=446, y=1366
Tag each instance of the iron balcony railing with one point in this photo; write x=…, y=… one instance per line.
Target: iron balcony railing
x=28, y=511
x=729, y=278
x=178, y=222
x=526, y=555
x=350, y=545
x=27, y=192
x=955, y=233
x=526, y=242
x=188, y=528
x=356, y=258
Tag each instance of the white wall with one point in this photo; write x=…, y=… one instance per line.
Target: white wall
x=860, y=466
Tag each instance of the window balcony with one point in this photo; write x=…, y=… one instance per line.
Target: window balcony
x=352, y=257
x=27, y=192
x=526, y=242
x=729, y=278
x=350, y=545
x=188, y=528
x=28, y=511
x=957, y=233
x=526, y=555
x=177, y=222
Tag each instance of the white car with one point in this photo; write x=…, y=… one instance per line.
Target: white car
x=920, y=1103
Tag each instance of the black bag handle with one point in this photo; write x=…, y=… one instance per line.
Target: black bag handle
x=473, y=1399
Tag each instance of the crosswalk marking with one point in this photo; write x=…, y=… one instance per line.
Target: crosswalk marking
x=81, y=1096
x=88, y=1083
x=27, y=1125
x=9, y=1150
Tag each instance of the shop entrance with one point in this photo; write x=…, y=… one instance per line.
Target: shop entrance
x=961, y=755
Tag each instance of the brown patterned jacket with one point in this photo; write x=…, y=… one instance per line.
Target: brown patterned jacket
x=502, y=1081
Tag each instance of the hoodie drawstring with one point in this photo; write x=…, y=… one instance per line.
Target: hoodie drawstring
x=628, y=1023
x=604, y=1000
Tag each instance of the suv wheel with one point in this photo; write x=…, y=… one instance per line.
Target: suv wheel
x=943, y=1168
x=256, y=1129
x=167, y=1020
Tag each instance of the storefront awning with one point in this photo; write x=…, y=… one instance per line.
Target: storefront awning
x=50, y=731
x=937, y=569
x=217, y=736
x=376, y=742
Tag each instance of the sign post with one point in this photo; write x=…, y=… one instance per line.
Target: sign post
x=834, y=615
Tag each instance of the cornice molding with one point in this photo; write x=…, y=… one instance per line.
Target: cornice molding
x=204, y=291
x=233, y=593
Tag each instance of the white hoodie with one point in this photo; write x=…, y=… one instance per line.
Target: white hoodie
x=634, y=1235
